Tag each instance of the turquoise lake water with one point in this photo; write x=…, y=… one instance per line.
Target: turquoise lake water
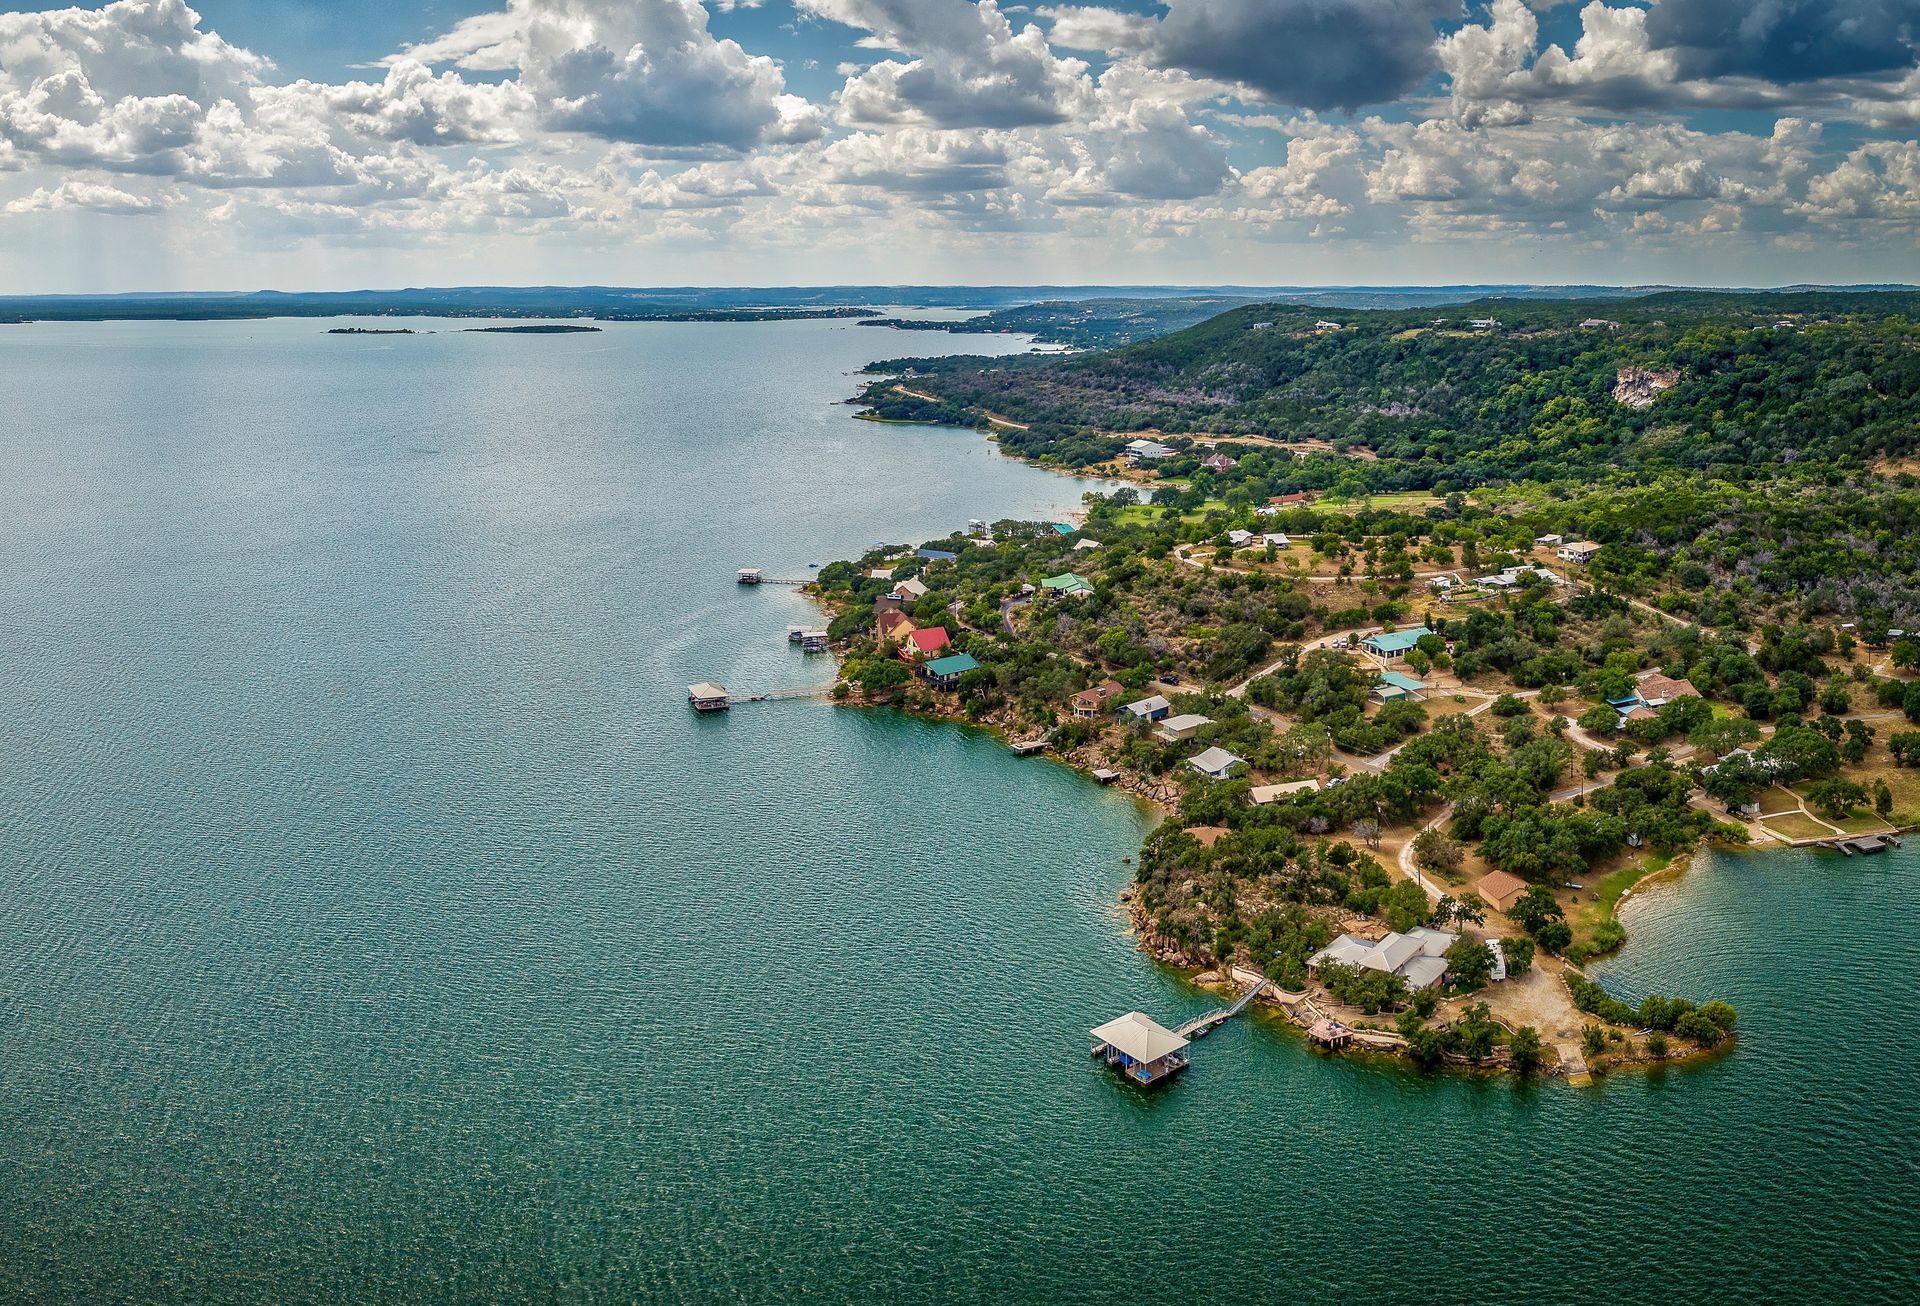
x=376, y=923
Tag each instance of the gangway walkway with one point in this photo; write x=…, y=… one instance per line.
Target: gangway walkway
x=1199, y=1025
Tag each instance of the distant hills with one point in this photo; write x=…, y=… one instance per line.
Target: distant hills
x=611, y=303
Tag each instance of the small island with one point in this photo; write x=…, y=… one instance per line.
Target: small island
x=534, y=329
x=374, y=331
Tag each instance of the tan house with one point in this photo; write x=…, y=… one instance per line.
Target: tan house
x=1500, y=890
x=1091, y=704
x=893, y=627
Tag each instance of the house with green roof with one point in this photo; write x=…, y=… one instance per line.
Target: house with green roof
x=945, y=673
x=1392, y=645
x=1394, y=686
x=1069, y=583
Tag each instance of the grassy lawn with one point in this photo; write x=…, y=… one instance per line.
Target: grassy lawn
x=1863, y=822
x=1596, y=902
x=1776, y=800
x=1904, y=781
x=1406, y=501
x=1797, y=827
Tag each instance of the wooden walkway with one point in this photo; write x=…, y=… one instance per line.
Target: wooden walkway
x=785, y=695
x=1199, y=1025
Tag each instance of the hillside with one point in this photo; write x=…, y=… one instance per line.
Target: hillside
x=1756, y=380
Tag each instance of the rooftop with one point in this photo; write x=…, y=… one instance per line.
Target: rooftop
x=1139, y=1036
x=952, y=666
x=1396, y=641
x=1215, y=760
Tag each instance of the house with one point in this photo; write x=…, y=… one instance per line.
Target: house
x=1153, y=708
x=1186, y=726
x=886, y=603
x=1219, y=463
x=1446, y=580
x=1484, y=323
x=1326, y=326
x=1068, y=583
x=1147, y=451
x=1140, y=1047
x=1500, y=890
x=1276, y=540
x=1239, y=539
x=1577, y=551
x=1298, y=499
x=1063, y=528
x=1091, y=703
x=893, y=626
x=1264, y=794
x=1394, y=687
x=1599, y=324
x=936, y=555
x=1657, y=689
x=1392, y=645
x=925, y=643
x=1419, y=956
x=1216, y=762
x=911, y=590
x=1085, y=546
x=945, y=673
x=1548, y=541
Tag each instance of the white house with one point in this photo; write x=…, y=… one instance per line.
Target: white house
x=1484, y=323
x=1141, y=451
x=1276, y=540
x=1239, y=539
x=1176, y=728
x=911, y=588
x=1419, y=956
x=1579, y=551
x=1216, y=762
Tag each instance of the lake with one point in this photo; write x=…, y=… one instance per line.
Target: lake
x=377, y=923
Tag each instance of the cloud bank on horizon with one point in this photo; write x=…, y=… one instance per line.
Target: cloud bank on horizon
x=1750, y=141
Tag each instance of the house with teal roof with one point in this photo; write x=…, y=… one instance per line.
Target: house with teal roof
x=1392, y=645
x=1396, y=686
x=945, y=673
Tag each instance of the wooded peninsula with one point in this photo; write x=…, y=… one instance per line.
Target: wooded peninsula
x=1436, y=634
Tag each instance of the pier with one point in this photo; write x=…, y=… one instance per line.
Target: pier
x=1147, y=1052
x=716, y=698
x=754, y=576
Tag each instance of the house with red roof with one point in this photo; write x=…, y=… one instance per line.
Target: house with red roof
x=926, y=643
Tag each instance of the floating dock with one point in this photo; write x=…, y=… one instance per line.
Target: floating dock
x=708, y=697
x=1147, y=1052
x=1028, y=747
x=1866, y=845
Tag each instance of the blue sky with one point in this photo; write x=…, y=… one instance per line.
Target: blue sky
x=147, y=144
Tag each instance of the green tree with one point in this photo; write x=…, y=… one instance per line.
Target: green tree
x=1469, y=965
x=1519, y=955
x=1523, y=1046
